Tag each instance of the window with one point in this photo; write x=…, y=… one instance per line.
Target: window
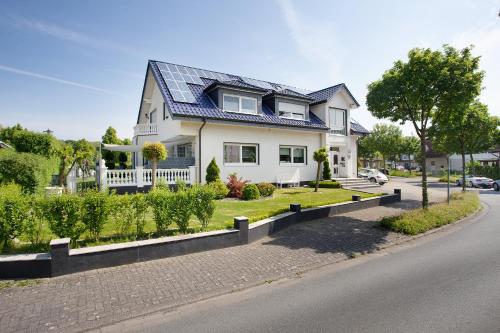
x=292, y=155
x=184, y=150
x=293, y=111
x=152, y=117
x=240, y=104
x=240, y=154
x=338, y=121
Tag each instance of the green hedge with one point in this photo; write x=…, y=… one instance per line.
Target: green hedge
x=325, y=184
x=32, y=172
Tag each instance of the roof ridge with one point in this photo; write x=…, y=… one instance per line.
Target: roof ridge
x=330, y=87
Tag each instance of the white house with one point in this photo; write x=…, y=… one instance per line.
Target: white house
x=261, y=130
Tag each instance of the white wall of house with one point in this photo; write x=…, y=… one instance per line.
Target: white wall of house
x=269, y=140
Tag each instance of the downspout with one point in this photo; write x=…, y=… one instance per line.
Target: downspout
x=199, y=148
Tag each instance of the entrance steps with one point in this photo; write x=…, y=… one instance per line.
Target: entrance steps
x=355, y=183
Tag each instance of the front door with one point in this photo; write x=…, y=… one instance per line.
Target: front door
x=334, y=160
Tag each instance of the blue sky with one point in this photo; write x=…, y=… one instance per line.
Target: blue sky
x=77, y=67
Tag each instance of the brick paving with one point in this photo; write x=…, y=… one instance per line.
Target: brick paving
x=95, y=298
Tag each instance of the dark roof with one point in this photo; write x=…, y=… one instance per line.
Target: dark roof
x=356, y=128
x=290, y=93
x=325, y=94
x=204, y=107
x=430, y=152
x=235, y=84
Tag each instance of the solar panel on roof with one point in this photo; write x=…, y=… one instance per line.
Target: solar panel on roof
x=258, y=83
x=176, y=82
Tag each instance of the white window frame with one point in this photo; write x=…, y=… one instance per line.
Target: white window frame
x=292, y=115
x=240, y=98
x=335, y=128
x=292, y=163
x=241, y=145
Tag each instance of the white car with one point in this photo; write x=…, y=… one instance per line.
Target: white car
x=474, y=181
x=373, y=175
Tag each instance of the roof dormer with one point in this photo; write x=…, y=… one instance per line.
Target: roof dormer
x=288, y=104
x=236, y=96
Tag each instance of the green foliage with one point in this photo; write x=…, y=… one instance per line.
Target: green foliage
x=42, y=144
x=110, y=137
x=74, y=152
x=86, y=185
x=213, y=172
x=180, y=185
x=202, y=203
x=122, y=213
x=325, y=184
x=109, y=158
x=32, y=172
x=14, y=210
x=387, y=140
x=421, y=220
x=250, y=192
x=429, y=85
x=154, y=151
x=123, y=158
x=160, y=201
x=180, y=209
x=139, y=208
x=406, y=174
x=489, y=171
x=95, y=211
x=162, y=184
x=219, y=188
x=410, y=145
x=7, y=133
x=64, y=215
x=327, y=172
x=320, y=156
x=266, y=189
x=235, y=185
x=34, y=226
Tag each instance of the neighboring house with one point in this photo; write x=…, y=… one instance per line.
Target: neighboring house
x=261, y=130
x=3, y=145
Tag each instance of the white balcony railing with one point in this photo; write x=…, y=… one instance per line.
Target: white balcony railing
x=145, y=129
x=140, y=177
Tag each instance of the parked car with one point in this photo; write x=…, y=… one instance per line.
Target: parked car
x=417, y=168
x=476, y=181
x=373, y=175
x=496, y=185
x=400, y=168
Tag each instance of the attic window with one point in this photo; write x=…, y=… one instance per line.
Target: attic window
x=240, y=104
x=292, y=111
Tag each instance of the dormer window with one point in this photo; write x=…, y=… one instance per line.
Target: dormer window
x=292, y=111
x=240, y=104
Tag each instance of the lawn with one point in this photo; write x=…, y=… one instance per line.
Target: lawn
x=406, y=174
x=225, y=211
x=420, y=220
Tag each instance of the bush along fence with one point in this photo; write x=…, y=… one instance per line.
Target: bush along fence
x=61, y=259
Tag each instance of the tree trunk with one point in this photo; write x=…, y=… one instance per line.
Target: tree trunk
x=473, y=173
x=317, y=177
x=153, y=174
x=425, y=198
x=463, y=171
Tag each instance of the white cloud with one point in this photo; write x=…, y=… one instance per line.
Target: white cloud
x=486, y=41
x=54, y=79
x=315, y=41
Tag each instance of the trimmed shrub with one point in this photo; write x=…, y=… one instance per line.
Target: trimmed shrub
x=325, y=184
x=160, y=201
x=203, y=205
x=34, y=226
x=180, y=185
x=235, y=185
x=180, y=209
x=327, y=172
x=212, y=172
x=14, y=210
x=86, y=185
x=219, y=189
x=95, y=211
x=266, y=189
x=122, y=213
x=250, y=192
x=64, y=215
x=139, y=207
x=123, y=158
x=32, y=172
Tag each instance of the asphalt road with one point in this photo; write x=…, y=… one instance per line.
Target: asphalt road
x=447, y=282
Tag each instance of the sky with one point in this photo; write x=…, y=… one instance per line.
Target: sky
x=77, y=67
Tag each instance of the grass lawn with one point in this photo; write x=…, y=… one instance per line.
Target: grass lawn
x=419, y=220
x=225, y=211
x=406, y=174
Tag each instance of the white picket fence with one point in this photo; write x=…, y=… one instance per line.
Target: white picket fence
x=141, y=177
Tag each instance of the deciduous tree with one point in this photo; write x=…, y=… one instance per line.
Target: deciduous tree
x=154, y=152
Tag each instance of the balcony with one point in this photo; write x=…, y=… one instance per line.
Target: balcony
x=145, y=129
x=338, y=130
